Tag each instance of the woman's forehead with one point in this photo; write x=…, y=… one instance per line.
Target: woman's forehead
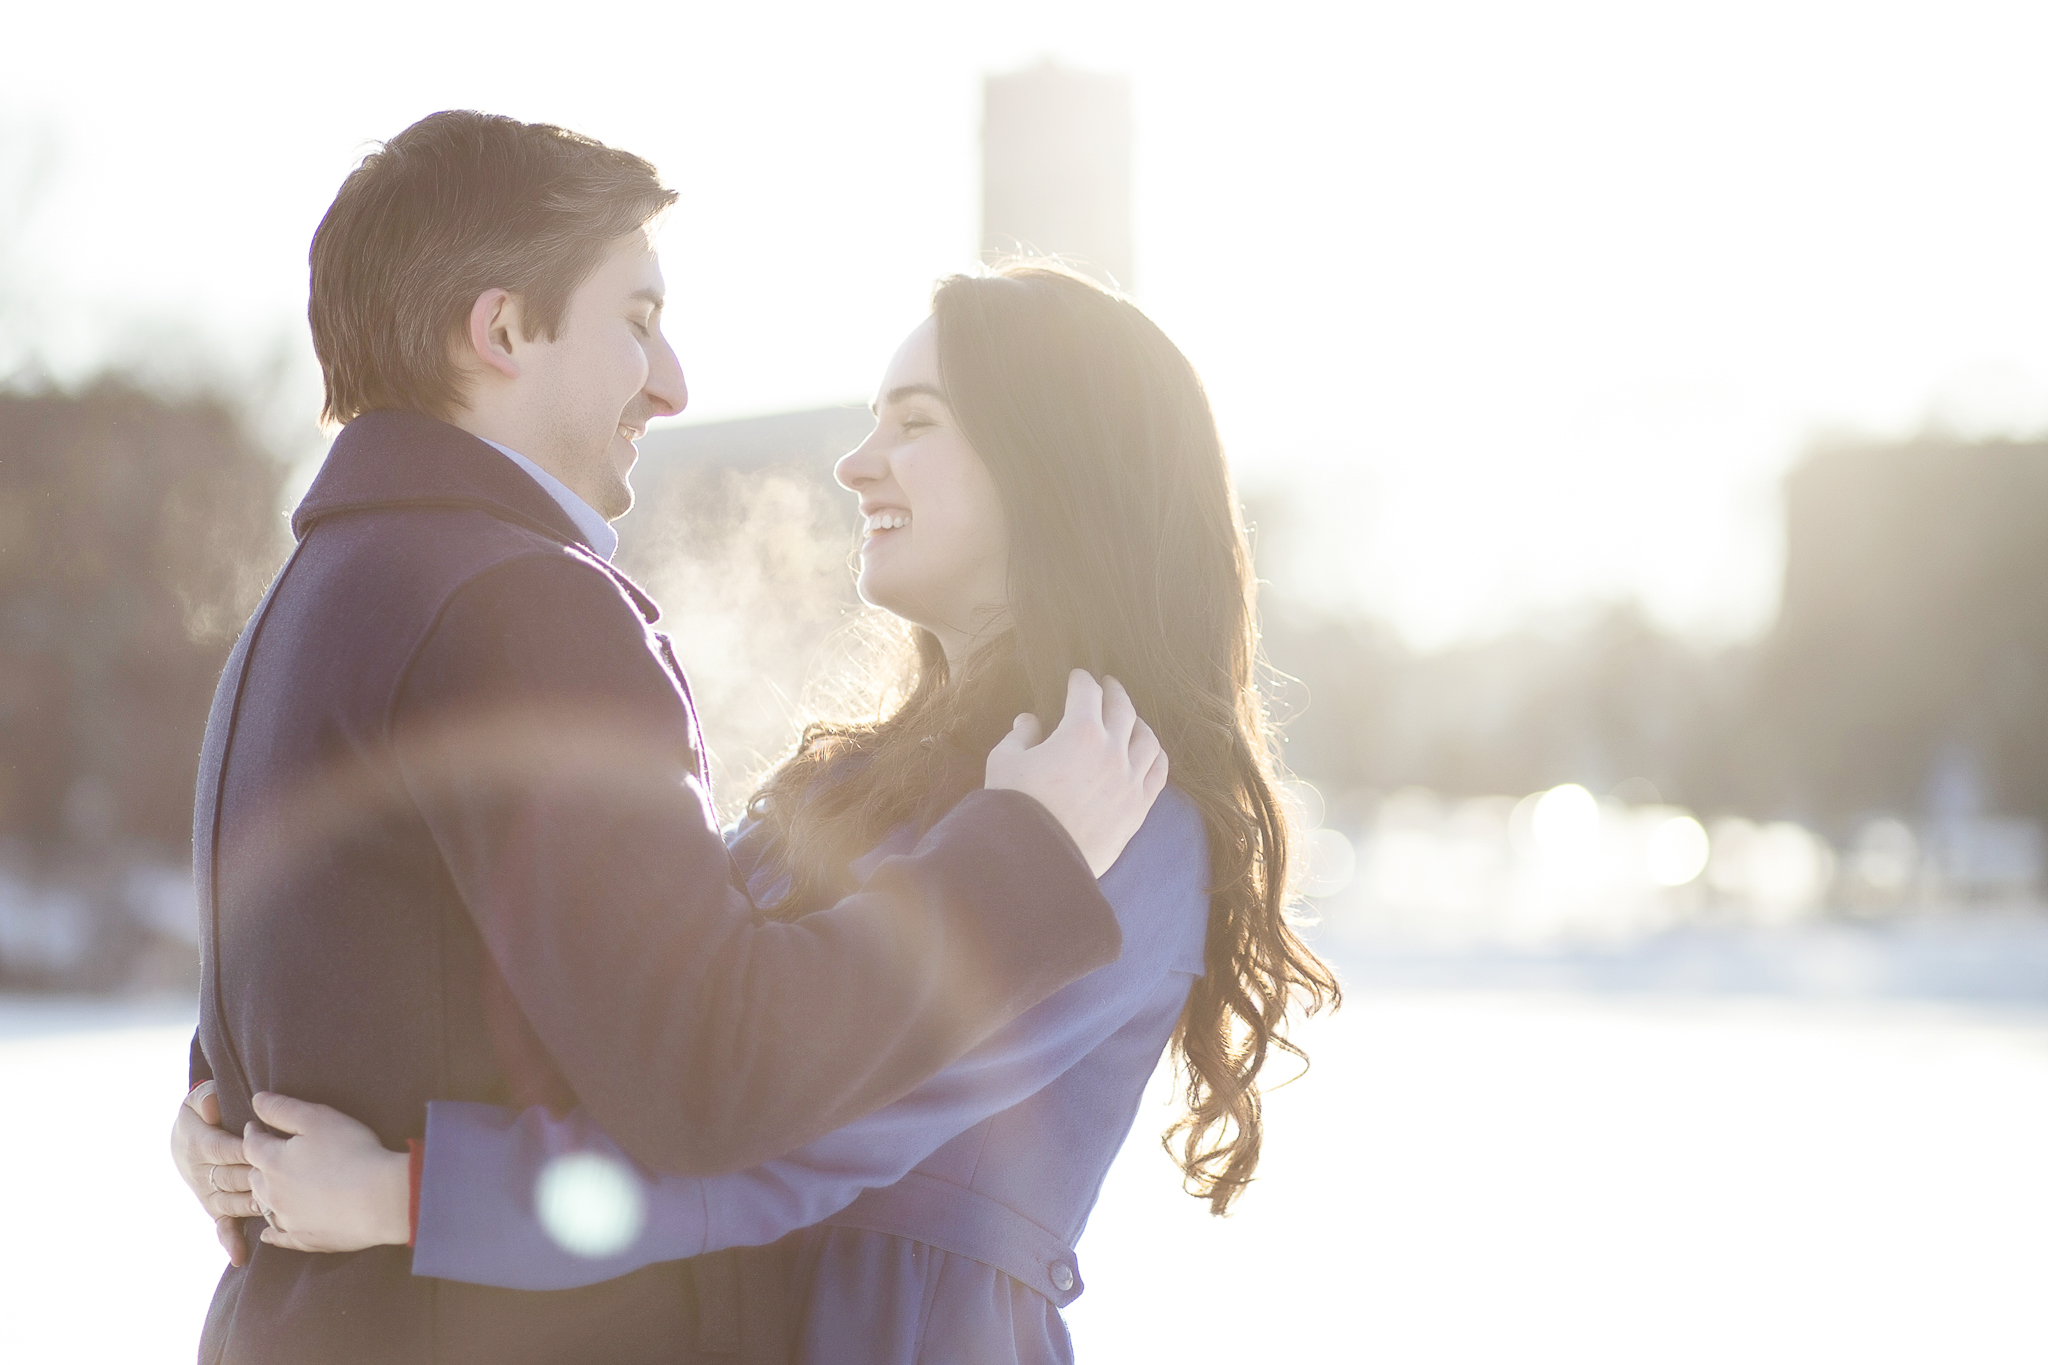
x=916, y=361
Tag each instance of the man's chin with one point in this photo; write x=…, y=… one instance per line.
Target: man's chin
x=617, y=501
x=619, y=497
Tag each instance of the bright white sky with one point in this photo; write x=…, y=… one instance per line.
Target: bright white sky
x=1529, y=304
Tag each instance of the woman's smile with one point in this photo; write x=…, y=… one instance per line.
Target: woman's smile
x=883, y=520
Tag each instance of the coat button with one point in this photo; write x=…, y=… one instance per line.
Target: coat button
x=1062, y=1277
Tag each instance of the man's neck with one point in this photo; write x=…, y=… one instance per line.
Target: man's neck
x=596, y=531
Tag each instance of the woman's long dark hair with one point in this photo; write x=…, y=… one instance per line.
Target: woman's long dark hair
x=1127, y=556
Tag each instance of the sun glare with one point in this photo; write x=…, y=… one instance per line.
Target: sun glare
x=1678, y=851
x=590, y=1204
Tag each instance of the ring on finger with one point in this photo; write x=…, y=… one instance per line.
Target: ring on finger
x=213, y=1182
x=268, y=1216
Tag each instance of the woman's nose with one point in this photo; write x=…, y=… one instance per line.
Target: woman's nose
x=859, y=467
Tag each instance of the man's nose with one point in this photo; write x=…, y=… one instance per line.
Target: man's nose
x=665, y=386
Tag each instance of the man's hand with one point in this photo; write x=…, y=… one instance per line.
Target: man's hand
x=331, y=1185
x=1098, y=773
x=210, y=1159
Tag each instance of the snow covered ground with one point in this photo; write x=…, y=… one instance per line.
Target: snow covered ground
x=1465, y=1176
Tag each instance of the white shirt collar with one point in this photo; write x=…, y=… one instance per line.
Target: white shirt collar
x=595, y=528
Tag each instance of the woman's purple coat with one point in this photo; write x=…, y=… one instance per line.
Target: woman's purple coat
x=982, y=1178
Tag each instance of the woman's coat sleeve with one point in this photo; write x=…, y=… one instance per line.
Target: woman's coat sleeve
x=478, y=1218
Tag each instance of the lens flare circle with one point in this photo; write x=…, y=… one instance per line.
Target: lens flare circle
x=1330, y=863
x=590, y=1204
x=1566, y=822
x=1677, y=852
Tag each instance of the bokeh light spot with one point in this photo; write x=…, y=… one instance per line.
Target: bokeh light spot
x=590, y=1204
x=1678, y=851
x=1330, y=863
x=1566, y=822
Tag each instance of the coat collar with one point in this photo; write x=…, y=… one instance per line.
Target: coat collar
x=387, y=460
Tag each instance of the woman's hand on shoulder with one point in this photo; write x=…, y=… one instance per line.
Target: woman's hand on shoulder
x=210, y=1160
x=1098, y=772
x=329, y=1185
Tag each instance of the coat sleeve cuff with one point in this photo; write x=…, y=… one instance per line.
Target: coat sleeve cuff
x=416, y=1160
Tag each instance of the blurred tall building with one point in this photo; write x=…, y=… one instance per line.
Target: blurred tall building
x=1056, y=168
x=1909, y=667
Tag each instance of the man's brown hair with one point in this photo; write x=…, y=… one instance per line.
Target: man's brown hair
x=456, y=204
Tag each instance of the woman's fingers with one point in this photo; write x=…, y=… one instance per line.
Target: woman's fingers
x=292, y=1241
x=264, y=1198
x=233, y=1204
x=227, y=1192
x=212, y=1146
x=209, y=1160
x=203, y=1101
x=229, y=1232
x=331, y=1185
x=197, y=1140
x=288, y=1115
x=263, y=1151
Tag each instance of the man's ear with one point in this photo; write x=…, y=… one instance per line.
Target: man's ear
x=493, y=323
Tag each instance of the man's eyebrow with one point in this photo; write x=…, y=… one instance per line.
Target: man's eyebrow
x=903, y=391
x=650, y=295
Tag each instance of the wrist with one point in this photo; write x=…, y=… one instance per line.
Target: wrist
x=394, y=1199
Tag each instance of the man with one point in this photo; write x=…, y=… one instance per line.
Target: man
x=453, y=837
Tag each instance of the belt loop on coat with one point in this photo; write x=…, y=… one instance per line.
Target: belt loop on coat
x=968, y=1223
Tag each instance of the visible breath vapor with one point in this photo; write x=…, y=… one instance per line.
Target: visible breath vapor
x=751, y=571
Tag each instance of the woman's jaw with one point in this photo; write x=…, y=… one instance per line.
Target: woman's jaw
x=895, y=578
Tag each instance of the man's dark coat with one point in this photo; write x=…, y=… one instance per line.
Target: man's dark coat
x=453, y=840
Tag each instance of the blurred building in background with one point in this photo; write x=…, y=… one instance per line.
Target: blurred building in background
x=135, y=535
x=1056, y=169
x=1878, y=758
x=1879, y=755
x=1908, y=670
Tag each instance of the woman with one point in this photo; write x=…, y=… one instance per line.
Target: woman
x=1044, y=491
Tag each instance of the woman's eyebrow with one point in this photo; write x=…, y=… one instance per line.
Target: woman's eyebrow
x=903, y=391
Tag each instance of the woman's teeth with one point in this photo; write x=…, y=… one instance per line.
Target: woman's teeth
x=886, y=521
